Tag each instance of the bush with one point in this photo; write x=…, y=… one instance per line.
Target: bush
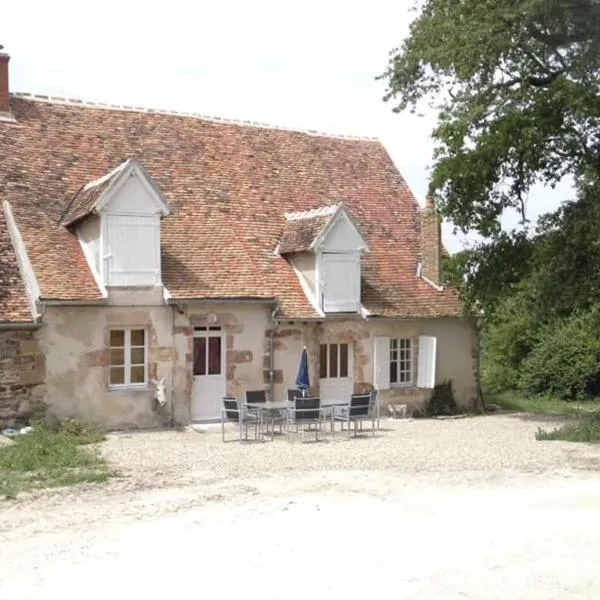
x=507, y=340
x=565, y=361
x=442, y=401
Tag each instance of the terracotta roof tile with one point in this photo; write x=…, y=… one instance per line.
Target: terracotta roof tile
x=14, y=306
x=229, y=186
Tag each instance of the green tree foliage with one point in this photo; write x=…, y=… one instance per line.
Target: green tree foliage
x=565, y=361
x=517, y=84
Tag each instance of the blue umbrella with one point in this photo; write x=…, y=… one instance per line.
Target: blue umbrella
x=302, y=381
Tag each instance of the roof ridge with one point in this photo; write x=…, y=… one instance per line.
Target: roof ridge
x=321, y=211
x=175, y=113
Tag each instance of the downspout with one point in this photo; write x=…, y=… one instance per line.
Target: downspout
x=478, y=325
x=274, y=324
x=173, y=309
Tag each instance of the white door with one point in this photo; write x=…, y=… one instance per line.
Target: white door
x=210, y=374
x=336, y=366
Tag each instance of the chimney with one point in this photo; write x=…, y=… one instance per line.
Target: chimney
x=431, y=242
x=4, y=95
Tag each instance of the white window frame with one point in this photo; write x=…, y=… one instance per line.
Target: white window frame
x=339, y=360
x=127, y=359
x=411, y=371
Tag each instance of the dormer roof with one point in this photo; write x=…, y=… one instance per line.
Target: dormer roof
x=96, y=194
x=308, y=230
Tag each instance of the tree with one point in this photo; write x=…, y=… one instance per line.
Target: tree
x=517, y=85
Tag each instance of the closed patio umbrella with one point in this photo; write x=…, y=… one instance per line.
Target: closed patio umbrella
x=302, y=380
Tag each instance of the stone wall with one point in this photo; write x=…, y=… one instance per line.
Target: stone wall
x=22, y=375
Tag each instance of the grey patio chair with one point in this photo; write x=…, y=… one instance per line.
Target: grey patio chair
x=306, y=411
x=234, y=411
x=358, y=411
x=374, y=408
x=294, y=393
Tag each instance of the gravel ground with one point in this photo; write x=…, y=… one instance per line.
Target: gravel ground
x=457, y=508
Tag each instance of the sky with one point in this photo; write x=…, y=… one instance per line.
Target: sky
x=306, y=65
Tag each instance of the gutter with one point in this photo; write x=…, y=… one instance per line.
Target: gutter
x=224, y=300
x=101, y=302
x=274, y=325
x=8, y=326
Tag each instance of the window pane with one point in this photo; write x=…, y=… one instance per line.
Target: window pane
x=214, y=355
x=137, y=356
x=117, y=337
x=200, y=356
x=393, y=372
x=137, y=374
x=343, y=360
x=393, y=345
x=137, y=337
x=117, y=375
x=117, y=356
x=323, y=362
x=333, y=360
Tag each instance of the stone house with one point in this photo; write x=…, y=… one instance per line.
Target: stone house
x=138, y=244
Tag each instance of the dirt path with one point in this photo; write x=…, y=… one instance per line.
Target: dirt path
x=330, y=531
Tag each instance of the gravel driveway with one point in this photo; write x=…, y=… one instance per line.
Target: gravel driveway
x=460, y=508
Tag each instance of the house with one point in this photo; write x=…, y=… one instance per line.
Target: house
x=141, y=244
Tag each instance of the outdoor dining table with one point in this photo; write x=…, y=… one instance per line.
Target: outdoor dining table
x=270, y=408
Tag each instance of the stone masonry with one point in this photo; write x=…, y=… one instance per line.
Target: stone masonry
x=22, y=374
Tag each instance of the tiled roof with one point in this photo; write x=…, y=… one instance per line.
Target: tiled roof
x=302, y=228
x=14, y=306
x=229, y=186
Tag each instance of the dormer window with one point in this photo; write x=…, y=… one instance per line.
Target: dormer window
x=325, y=246
x=117, y=219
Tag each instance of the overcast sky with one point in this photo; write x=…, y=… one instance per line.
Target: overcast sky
x=308, y=65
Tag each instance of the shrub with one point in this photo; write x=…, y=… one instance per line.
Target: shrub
x=507, y=340
x=565, y=361
x=442, y=401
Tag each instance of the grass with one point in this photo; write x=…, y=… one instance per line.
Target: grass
x=584, y=430
x=584, y=423
x=46, y=458
x=512, y=401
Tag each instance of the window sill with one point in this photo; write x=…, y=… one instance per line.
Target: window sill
x=395, y=386
x=128, y=387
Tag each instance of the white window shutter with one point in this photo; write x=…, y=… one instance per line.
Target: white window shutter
x=427, y=360
x=381, y=363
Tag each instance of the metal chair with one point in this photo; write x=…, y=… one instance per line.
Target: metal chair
x=374, y=408
x=356, y=412
x=306, y=411
x=294, y=393
x=235, y=412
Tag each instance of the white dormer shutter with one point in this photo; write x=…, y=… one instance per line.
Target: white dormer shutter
x=340, y=281
x=132, y=250
x=381, y=363
x=427, y=361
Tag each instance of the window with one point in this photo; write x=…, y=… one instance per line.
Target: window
x=207, y=351
x=401, y=361
x=128, y=357
x=333, y=361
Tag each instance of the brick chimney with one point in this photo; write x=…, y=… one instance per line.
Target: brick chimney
x=4, y=95
x=431, y=242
